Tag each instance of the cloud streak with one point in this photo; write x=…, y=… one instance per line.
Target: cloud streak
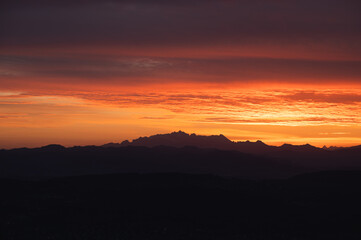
x=106, y=70
x=237, y=106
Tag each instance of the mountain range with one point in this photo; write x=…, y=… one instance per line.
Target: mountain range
x=180, y=186
x=182, y=139
x=177, y=152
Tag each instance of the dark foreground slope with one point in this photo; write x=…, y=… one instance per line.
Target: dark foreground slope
x=55, y=160
x=322, y=205
x=304, y=156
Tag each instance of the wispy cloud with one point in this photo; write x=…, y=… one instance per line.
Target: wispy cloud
x=325, y=97
x=237, y=112
x=240, y=106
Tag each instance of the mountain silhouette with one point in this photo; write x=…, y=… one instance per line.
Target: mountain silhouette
x=181, y=139
x=178, y=152
x=177, y=139
x=58, y=161
x=180, y=186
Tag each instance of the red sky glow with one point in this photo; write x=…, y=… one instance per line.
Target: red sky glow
x=91, y=72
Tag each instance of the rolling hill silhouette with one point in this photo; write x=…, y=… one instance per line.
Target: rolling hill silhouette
x=180, y=186
x=178, y=152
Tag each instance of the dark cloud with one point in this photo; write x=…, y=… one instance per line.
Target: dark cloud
x=313, y=96
x=307, y=27
x=176, y=23
x=27, y=3
x=127, y=70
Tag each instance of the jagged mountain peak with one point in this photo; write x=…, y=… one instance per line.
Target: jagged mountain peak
x=182, y=139
x=179, y=139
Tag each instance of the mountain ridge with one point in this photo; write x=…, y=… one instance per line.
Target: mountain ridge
x=182, y=139
x=178, y=152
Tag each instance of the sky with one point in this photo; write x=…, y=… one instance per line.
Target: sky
x=86, y=72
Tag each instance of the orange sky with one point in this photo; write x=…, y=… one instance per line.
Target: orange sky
x=91, y=72
x=293, y=115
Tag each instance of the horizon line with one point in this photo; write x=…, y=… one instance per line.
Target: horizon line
x=189, y=134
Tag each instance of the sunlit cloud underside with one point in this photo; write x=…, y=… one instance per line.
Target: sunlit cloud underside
x=319, y=117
